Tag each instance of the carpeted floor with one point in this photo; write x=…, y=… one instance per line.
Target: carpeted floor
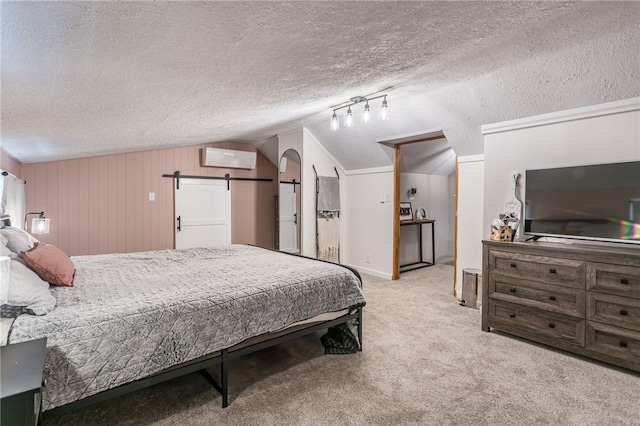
x=425, y=362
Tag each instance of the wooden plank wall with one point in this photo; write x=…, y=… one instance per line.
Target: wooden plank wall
x=101, y=204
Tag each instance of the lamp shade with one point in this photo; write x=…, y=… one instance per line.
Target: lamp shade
x=40, y=225
x=5, y=270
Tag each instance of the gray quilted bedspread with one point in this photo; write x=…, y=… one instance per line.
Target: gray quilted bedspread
x=131, y=315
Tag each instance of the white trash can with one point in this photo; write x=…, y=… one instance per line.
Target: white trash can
x=471, y=288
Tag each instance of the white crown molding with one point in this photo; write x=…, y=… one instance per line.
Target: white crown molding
x=369, y=171
x=609, y=108
x=471, y=158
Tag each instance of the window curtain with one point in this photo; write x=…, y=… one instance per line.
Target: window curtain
x=13, y=199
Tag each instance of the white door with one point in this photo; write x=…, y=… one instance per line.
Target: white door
x=288, y=218
x=202, y=213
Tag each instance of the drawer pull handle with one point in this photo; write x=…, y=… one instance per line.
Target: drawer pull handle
x=513, y=265
x=623, y=344
x=624, y=312
x=512, y=290
x=512, y=315
x=552, y=271
x=552, y=298
x=624, y=281
x=552, y=325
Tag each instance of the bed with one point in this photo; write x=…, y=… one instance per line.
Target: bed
x=133, y=320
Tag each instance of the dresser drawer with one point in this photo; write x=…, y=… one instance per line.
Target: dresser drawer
x=512, y=316
x=564, y=272
x=614, y=279
x=613, y=341
x=615, y=310
x=555, y=298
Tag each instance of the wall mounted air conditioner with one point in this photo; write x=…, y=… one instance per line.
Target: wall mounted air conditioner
x=228, y=158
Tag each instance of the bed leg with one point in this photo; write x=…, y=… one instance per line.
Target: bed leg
x=360, y=327
x=224, y=374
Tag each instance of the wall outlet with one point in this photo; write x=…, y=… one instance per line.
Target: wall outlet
x=367, y=258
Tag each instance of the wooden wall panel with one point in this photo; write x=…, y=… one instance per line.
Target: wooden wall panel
x=154, y=218
x=73, y=216
x=62, y=199
x=120, y=216
x=83, y=207
x=51, y=198
x=101, y=204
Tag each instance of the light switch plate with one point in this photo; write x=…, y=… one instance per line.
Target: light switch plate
x=152, y=196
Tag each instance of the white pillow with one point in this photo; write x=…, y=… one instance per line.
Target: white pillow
x=17, y=239
x=4, y=250
x=27, y=290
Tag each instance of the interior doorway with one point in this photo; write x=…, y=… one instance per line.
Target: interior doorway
x=424, y=182
x=289, y=202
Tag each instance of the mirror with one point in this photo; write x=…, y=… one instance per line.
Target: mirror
x=289, y=202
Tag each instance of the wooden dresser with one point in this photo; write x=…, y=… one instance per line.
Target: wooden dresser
x=577, y=297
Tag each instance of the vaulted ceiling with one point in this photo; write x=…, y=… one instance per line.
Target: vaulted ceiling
x=89, y=78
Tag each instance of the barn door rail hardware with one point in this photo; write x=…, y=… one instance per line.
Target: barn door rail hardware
x=176, y=175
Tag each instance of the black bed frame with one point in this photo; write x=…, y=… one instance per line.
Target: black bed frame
x=223, y=358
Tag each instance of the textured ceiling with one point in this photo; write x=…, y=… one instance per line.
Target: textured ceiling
x=89, y=78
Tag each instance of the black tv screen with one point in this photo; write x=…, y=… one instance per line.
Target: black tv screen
x=597, y=202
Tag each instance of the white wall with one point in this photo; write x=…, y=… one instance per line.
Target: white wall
x=365, y=223
x=369, y=222
x=598, y=134
x=434, y=196
x=606, y=133
x=469, y=212
x=315, y=155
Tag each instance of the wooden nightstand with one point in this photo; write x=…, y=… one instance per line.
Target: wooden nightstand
x=21, y=382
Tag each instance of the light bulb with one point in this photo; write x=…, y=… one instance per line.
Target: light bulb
x=366, y=115
x=335, y=123
x=348, y=121
x=384, y=113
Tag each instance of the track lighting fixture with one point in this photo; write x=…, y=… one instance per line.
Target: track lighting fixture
x=348, y=120
x=384, y=111
x=335, y=123
x=366, y=114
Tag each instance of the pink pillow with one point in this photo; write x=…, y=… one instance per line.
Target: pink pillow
x=50, y=263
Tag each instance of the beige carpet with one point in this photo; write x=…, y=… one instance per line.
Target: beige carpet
x=425, y=362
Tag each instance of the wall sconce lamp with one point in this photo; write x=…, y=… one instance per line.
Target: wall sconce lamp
x=39, y=225
x=412, y=193
x=366, y=114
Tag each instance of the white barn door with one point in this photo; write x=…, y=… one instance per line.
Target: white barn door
x=288, y=218
x=202, y=213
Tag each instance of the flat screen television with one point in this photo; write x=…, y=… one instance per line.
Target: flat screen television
x=597, y=202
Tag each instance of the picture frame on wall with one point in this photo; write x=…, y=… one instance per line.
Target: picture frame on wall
x=405, y=211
